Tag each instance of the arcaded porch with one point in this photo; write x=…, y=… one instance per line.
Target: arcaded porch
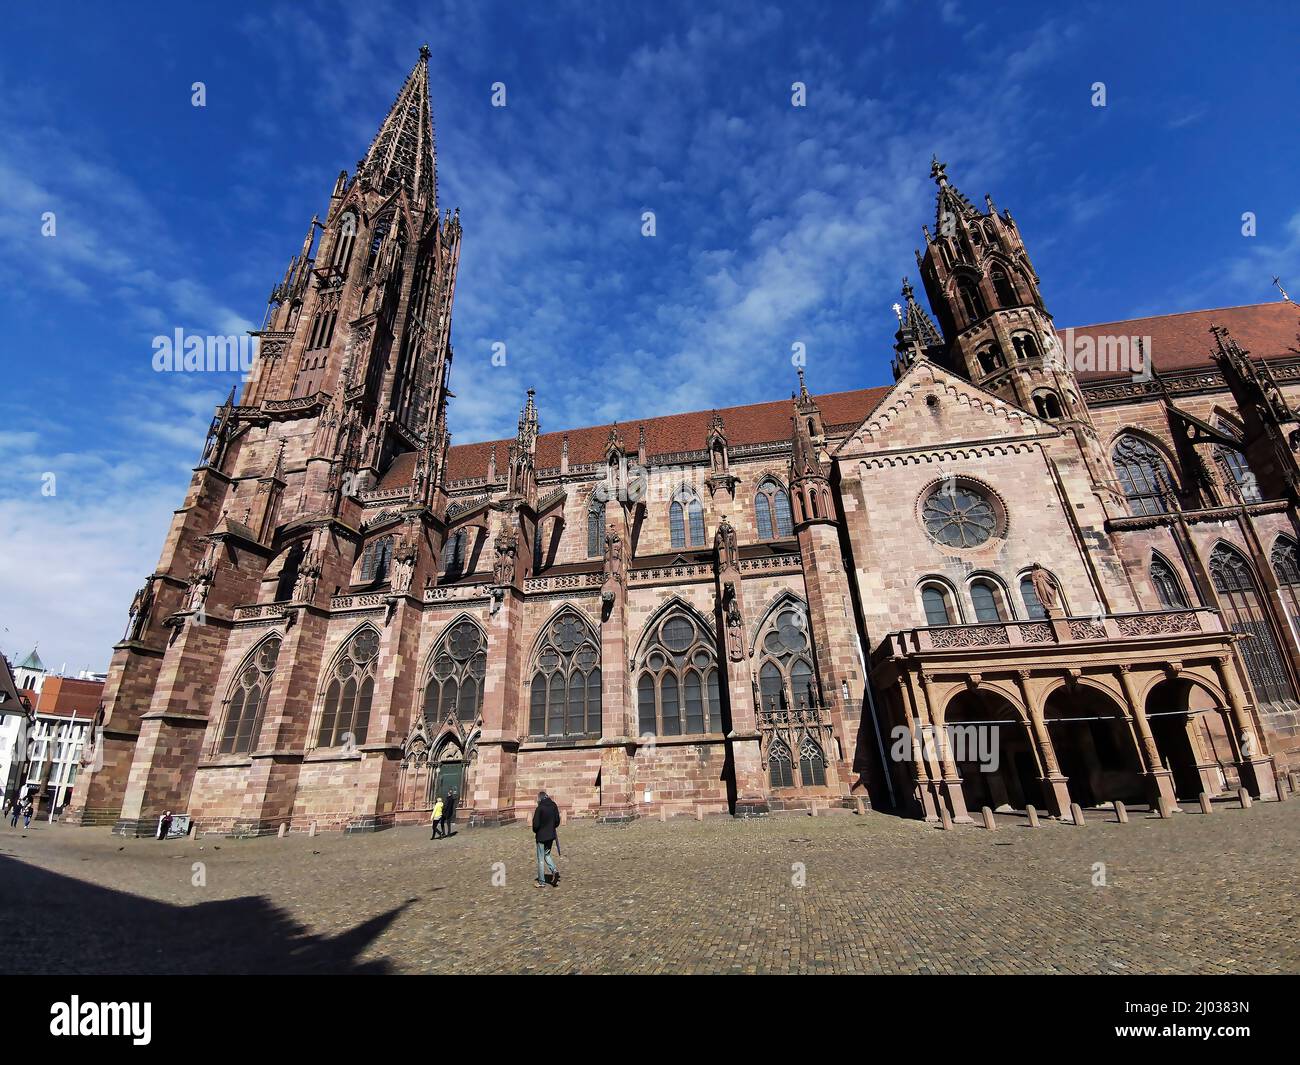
x=1149, y=707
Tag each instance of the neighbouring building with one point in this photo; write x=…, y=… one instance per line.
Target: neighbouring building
x=16, y=722
x=1044, y=566
x=65, y=709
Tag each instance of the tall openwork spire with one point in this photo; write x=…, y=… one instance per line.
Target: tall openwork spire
x=402, y=154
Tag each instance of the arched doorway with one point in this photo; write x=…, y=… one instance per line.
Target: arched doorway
x=1191, y=737
x=448, y=771
x=1094, y=746
x=992, y=751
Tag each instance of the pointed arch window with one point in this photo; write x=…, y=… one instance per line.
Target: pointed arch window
x=247, y=699
x=454, y=554
x=455, y=684
x=343, y=242
x=971, y=301
x=1003, y=288
x=289, y=572
x=1243, y=609
x=678, y=688
x=595, y=529
x=349, y=691
x=1167, y=586
x=812, y=763
x=1143, y=475
x=564, y=696
x=1236, y=470
x=1286, y=568
x=785, y=674
x=542, y=538
x=375, y=560
x=780, y=767
x=686, y=520
x=772, y=510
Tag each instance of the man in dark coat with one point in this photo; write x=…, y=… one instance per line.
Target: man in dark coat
x=449, y=813
x=546, y=819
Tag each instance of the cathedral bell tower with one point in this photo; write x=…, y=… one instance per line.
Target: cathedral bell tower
x=358, y=332
x=984, y=292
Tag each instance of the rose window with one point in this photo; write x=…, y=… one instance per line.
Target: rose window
x=959, y=517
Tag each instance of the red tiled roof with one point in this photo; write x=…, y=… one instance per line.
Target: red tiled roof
x=1178, y=342
x=1183, y=341
x=755, y=423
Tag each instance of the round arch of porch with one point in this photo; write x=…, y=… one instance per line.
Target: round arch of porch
x=1094, y=742
x=991, y=745
x=1189, y=722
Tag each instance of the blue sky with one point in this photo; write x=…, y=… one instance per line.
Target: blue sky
x=775, y=224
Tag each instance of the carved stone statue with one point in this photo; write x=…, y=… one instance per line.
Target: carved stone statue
x=614, y=566
x=735, y=623
x=724, y=543
x=1045, y=588
x=304, y=588
x=141, y=608
x=203, y=575
x=507, y=547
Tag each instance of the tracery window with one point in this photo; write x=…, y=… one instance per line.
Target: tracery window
x=785, y=673
x=812, y=763
x=346, y=237
x=349, y=692
x=247, y=699
x=1166, y=584
x=958, y=516
x=1143, y=476
x=1244, y=610
x=780, y=767
x=772, y=509
x=564, y=697
x=455, y=684
x=686, y=519
x=1238, y=473
x=1286, y=568
x=375, y=559
x=677, y=691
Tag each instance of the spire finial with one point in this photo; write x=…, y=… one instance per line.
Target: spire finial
x=424, y=52
x=937, y=171
x=803, y=387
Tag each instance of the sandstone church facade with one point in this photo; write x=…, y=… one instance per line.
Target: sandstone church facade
x=1091, y=570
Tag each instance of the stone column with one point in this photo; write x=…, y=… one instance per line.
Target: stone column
x=1055, y=785
x=923, y=794
x=743, y=740
x=1159, y=780
x=1255, y=767
x=618, y=721
x=951, y=779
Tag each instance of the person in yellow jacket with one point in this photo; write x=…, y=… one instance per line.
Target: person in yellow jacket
x=437, y=818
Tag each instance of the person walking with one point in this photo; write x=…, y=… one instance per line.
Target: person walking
x=436, y=819
x=546, y=819
x=449, y=813
x=27, y=814
x=14, y=811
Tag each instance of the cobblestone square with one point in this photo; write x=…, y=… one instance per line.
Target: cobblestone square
x=1194, y=894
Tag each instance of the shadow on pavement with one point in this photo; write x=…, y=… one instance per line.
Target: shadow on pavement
x=57, y=924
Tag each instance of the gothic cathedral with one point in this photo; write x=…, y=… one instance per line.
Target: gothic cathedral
x=1021, y=575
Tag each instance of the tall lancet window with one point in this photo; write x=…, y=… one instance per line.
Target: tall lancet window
x=564, y=696
x=677, y=690
x=1143, y=475
x=455, y=686
x=1167, y=585
x=1243, y=609
x=595, y=529
x=772, y=511
x=686, y=519
x=345, y=716
x=247, y=699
